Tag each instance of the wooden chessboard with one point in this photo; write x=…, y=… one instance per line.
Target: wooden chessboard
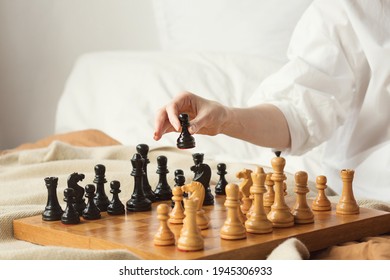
x=135, y=232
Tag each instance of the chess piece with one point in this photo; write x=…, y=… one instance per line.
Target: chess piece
x=180, y=180
x=91, y=211
x=70, y=215
x=143, y=150
x=79, y=201
x=101, y=199
x=115, y=207
x=177, y=214
x=269, y=196
x=321, y=203
x=164, y=235
x=241, y=215
x=179, y=177
x=180, y=172
x=279, y=215
x=301, y=211
x=53, y=210
x=185, y=140
x=347, y=204
x=202, y=174
x=232, y=228
x=277, y=153
x=257, y=222
x=244, y=187
x=198, y=193
x=163, y=191
x=138, y=201
x=221, y=184
x=190, y=235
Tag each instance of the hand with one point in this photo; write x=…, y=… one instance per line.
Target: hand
x=206, y=116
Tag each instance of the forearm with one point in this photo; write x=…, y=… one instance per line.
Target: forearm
x=263, y=125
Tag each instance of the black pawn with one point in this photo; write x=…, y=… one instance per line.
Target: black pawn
x=180, y=172
x=70, y=215
x=180, y=180
x=277, y=153
x=53, y=210
x=101, y=199
x=185, y=140
x=203, y=175
x=143, y=150
x=91, y=211
x=163, y=191
x=221, y=184
x=138, y=201
x=115, y=207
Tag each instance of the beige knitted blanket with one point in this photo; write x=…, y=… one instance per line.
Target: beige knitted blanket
x=23, y=193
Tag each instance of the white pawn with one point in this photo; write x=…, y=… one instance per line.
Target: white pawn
x=321, y=203
x=301, y=211
x=177, y=213
x=164, y=235
x=269, y=196
x=233, y=227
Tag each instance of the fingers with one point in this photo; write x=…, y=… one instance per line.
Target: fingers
x=161, y=124
x=197, y=124
x=172, y=115
x=167, y=117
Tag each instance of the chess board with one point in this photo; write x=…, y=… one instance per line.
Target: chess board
x=135, y=232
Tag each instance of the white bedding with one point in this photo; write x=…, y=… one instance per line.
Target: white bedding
x=120, y=92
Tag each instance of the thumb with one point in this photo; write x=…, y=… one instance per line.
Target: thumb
x=193, y=128
x=196, y=125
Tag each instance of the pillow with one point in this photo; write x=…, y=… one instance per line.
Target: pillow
x=120, y=92
x=262, y=27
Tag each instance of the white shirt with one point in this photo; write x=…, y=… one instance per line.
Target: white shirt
x=335, y=94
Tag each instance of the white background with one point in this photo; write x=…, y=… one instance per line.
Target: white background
x=39, y=43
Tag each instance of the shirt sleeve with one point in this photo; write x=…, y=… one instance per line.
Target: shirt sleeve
x=315, y=88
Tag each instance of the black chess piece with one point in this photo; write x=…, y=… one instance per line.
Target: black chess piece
x=79, y=201
x=138, y=201
x=70, y=215
x=277, y=153
x=115, y=207
x=91, y=211
x=185, y=140
x=163, y=191
x=180, y=172
x=53, y=210
x=203, y=175
x=180, y=180
x=101, y=199
x=221, y=184
x=143, y=150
